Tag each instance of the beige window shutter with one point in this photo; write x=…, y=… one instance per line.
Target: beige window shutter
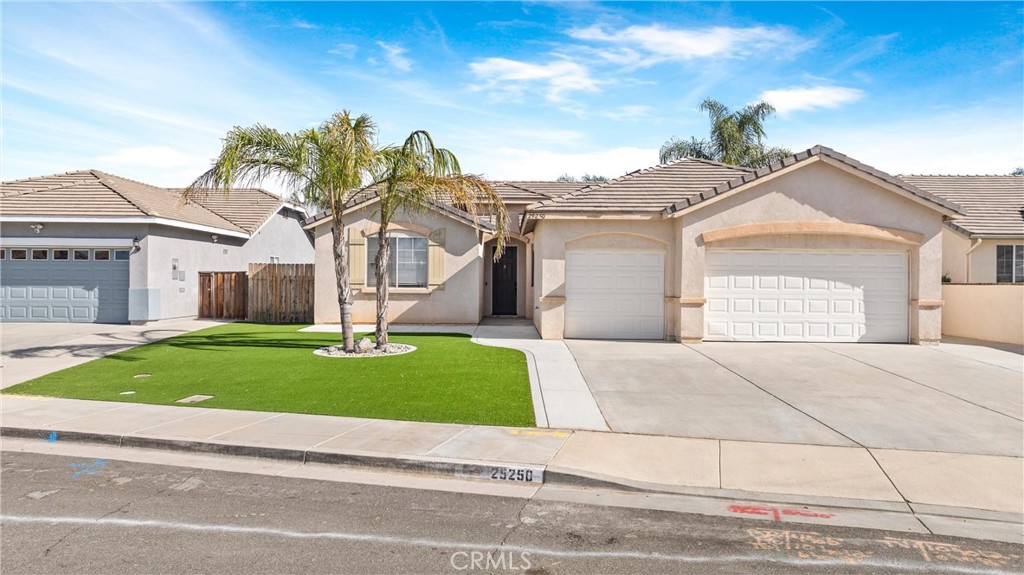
x=435, y=259
x=356, y=258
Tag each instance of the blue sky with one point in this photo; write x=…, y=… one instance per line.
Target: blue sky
x=516, y=90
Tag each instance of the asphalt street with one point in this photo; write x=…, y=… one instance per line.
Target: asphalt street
x=85, y=515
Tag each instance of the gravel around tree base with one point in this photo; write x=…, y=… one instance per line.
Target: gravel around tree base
x=390, y=349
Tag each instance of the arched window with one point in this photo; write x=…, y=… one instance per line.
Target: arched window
x=407, y=266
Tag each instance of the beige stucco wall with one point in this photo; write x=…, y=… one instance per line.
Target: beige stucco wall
x=821, y=192
x=815, y=192
x=976, y=267
x=954, y=255
x=552, y=238
x=987, y=312
x=459, y=301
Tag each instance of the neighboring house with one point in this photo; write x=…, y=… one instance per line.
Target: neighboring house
x=819, y=247
x=87, y=246
x=987, y=245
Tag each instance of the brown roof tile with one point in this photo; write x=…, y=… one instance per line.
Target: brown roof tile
x=993, y=205
x=96, y=193
x=649, y=190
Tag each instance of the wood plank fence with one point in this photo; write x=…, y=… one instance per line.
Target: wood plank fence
x=281, y=293
x=223, y=295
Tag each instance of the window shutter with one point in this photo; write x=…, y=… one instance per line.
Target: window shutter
x=435, y=259
x=356, y=258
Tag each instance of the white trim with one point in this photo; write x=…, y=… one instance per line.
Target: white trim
x=124, y=220
x=66, y=242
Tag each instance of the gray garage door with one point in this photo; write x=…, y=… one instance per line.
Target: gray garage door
x=87, y=285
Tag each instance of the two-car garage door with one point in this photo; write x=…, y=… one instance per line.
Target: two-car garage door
x=766, y=295
x=66, y=284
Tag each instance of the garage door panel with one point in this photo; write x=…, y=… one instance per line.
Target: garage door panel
x=815, y=296
x=64, y=290
x=615, y=295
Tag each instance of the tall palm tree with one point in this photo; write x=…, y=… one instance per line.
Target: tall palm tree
x=326, y=166
x=411, y=177
x=735, y=138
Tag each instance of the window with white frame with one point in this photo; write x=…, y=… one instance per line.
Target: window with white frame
x=1010, y=264
x=407, y=266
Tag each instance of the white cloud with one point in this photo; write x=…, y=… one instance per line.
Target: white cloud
x=153, y=157
x=347, y=50
x=533, y=164
x=510, y=79
x=627, y=113
x=653, y=44
x=298, y=23
x=394, y=53
x=789, y=100
x=977, y=140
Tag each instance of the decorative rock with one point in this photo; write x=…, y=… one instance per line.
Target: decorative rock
x=363, y=345
x=390, y=349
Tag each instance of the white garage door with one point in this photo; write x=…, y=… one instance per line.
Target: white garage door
x=615, y=295
x=806, y=296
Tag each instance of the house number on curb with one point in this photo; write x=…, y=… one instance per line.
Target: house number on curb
x=508, y=474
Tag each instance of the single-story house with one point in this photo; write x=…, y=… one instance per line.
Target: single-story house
x=88, y=246
x=987, y=244
x=818, y=247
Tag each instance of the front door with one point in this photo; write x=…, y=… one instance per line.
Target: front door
x=503, y=283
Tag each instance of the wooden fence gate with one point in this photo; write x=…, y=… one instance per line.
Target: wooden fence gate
x=281, y=293
x=223, y=295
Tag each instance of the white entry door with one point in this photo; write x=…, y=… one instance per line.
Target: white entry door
x=615, y=295
x=765, y=295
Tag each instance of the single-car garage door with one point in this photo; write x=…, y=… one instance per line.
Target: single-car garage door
x=766, y=295
x=64, y=285
x=615, y=295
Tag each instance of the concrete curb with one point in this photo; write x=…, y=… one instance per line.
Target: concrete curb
x=492, y=471
x=442, y=467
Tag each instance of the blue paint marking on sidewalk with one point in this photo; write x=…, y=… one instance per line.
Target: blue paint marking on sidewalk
x=87, y=468
x=52, y=438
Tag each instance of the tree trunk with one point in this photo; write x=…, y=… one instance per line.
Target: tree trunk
x=344, y=287
x=383, y=256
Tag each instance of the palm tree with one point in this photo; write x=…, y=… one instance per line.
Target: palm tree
x=736, y=138
x=411, y=177
x=325, y=166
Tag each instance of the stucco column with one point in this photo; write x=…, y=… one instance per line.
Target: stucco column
x=926, y=292
x=691, y=301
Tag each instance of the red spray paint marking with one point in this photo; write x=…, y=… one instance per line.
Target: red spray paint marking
x=777, y=513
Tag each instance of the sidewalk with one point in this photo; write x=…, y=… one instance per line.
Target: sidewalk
x=953, y=494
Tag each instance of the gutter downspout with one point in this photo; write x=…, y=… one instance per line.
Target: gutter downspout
x=969, y=250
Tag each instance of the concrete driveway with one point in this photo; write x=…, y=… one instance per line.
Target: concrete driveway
x=30, y=350
x=955, y=398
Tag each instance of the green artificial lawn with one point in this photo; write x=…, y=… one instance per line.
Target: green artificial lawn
x=272, y=368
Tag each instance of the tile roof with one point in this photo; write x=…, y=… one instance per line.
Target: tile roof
x=649, y=190
x=993, y=205
x=98, y=194
x=247, y=208
x=511, y=192
x=539, y=190
x=816, y=151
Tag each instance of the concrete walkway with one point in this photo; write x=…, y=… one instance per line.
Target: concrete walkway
x=561, y=397
x=30, y=350
x=952, y=494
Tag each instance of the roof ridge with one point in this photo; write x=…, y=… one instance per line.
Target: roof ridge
x=99, y=175
x=541, y=194
x=54, y=186
x=956, y=176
